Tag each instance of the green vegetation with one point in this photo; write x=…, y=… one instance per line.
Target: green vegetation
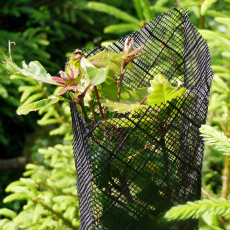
x=49, y=32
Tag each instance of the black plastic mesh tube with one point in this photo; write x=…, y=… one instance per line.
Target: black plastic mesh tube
x=129, y=175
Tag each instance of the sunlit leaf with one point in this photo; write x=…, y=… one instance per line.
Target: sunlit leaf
x=161, y=91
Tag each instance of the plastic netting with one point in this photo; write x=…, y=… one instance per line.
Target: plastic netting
x=129, y=175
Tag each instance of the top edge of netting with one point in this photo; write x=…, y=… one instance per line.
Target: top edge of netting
x=198, y=78
x=184, y=13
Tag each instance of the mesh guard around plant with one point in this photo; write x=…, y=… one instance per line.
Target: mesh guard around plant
x=129, y=175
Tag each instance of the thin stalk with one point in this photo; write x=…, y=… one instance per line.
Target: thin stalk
x=143, y=101
x=54, y=213
x=119, y=84
x=99, y=103
x=226, y=171
x=106, y=114
x=201, y=20
x=93, y=111
x=205, y=193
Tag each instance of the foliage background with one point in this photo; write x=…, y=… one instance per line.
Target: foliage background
x=48, y=31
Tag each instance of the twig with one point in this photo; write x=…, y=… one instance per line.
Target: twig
x=13, y=163
x=204, y=192
x=143, y=101
x=9, y=46
x=54, y=213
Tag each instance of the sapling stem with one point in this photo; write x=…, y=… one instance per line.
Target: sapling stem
x=106, y=114
x=143, y=101
x=99, y=103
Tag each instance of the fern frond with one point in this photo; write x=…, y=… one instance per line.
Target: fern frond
x=196, y=209
x=138, y=9
x=216, y=139
x=224, y=20
x=111, y=10
x=33, y=98
x=146, y=9
x=27, y=91
x=6, y=224
x=122, y=28
x=7, y=213
x=13, y=197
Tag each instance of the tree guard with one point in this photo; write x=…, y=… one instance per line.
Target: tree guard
x=131, y=171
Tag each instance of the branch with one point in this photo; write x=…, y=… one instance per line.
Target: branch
x=13, y=163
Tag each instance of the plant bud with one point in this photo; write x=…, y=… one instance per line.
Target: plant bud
x=64, y=75
x=128, y=46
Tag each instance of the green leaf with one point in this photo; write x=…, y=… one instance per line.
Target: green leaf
x=97, y=76
x=8, y=213
x=25, y=109
x=101, y=7
x=206, y=5
x=161, y=91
